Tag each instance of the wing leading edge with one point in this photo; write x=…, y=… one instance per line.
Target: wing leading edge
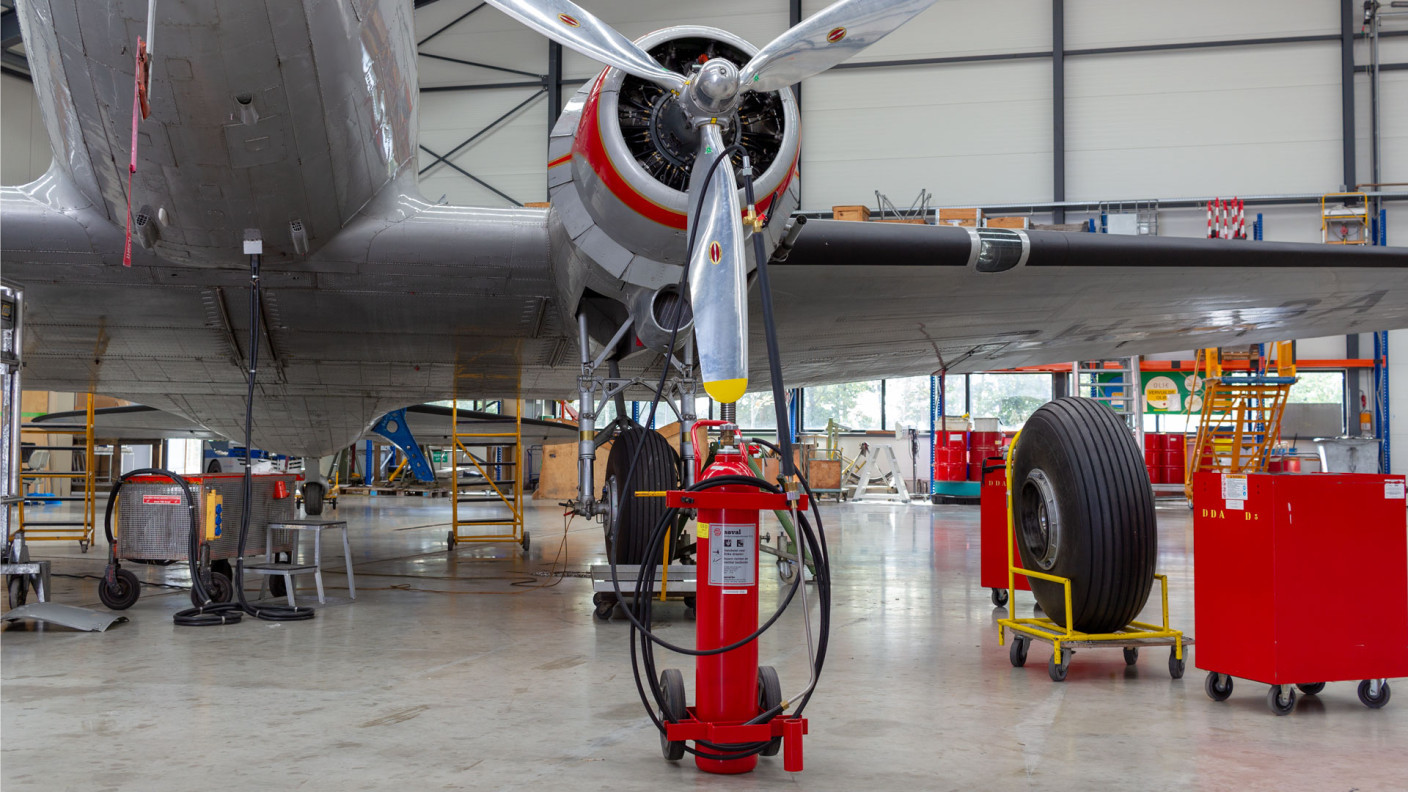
x=861, y=300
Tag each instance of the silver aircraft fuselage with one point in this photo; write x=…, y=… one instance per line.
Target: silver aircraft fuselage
x=268, y=115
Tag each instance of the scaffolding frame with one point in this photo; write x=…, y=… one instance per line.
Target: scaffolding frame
x=1241, y=415
x=63, y=530
x=507, y=493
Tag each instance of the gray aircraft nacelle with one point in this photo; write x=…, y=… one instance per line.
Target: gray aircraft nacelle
x=619, y=160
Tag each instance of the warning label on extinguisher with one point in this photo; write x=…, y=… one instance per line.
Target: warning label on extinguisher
x=732, y=554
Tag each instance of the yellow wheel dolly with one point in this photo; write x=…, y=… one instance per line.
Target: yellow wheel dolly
x=1064, y=639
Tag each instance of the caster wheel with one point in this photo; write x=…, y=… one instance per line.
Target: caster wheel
x=1057, y=671
x=672, y=711
x=1131, y=655
x=1218, y=686
x=527, y=541
x=450, y=541
x=122, y=592
x=1312, y=689
x=1175, y=665
x=999, y=597
x=1018, y=652
x=786, y=571
x=18, y=588
x=221, y=590
x=1372, y=701
x=1281, y=703
x=602, y=605
x=82, y=546
x=769, y=696
x=690, y=615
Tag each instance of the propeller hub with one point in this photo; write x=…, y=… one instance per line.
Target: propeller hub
x=714, y=90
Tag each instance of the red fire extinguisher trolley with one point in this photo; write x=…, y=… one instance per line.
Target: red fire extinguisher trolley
x=733, y=695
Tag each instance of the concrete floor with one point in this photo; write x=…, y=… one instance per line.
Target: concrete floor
x=444, y=674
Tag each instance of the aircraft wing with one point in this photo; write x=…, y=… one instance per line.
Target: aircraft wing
x=429, y=423
x=865, y=300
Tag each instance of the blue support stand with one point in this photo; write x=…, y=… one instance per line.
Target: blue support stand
x=794, y=420
x=1258, y=228
x=393, y=427
x=368, y=472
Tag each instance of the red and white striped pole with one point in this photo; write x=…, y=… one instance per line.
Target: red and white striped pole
x=1241, y=219
x=1210, y=235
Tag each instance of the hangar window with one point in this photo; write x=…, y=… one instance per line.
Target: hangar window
x=1010, y=398
x=1317, y=387
x=854, y=405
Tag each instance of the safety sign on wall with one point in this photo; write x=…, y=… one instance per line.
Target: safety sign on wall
x=1171, y=392
x=732, y=554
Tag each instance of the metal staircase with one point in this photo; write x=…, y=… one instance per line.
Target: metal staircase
x=493, y=462
x=1241, y=410
x=1114, y=381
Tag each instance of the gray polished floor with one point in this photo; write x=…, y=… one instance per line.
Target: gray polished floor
x=473, y=670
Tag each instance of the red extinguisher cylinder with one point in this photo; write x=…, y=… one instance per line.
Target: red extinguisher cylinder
x=726, y=608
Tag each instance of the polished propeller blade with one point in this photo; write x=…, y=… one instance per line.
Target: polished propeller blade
x=824, y=39
x=717, y=274
x=572, y=26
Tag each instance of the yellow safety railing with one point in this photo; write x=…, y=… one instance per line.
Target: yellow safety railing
x=61, y=530
x=508, y=494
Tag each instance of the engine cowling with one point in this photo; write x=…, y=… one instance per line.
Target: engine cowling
x=618, y=173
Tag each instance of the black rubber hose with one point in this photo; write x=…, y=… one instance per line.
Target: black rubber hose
x=788, y=466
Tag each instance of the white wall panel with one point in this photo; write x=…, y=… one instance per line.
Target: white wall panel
x=1393, y=116
x=1173, y=124
x=962, y=27
x=512, y=157
x=1114, y=23
x=968, y=133
x=24, y=146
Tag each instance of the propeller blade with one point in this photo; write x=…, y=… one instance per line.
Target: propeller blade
x=824, y=39
x=717, y=274
x=572, y=26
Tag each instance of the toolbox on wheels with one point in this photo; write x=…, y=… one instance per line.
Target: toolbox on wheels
x=1301, y=580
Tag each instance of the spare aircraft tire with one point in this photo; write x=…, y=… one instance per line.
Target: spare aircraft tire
x=1083, y=509
x=633, y=518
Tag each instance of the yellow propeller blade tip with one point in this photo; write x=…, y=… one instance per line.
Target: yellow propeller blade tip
x=726, y=391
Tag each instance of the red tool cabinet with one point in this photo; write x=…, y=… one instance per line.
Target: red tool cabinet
x=1301, y=579
x=992, y=538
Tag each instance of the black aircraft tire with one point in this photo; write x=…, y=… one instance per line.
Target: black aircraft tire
x=635, y=517
x=313, y=499
x=1085, y=511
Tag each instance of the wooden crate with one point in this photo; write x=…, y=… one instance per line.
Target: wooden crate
x=850, y=213
x=909, y=220
x=1008, y=222
x=961, y=217
x=537, y=204
x=825, y=474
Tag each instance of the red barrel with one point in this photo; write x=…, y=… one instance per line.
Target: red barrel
x=1171, y=474
x=1154, y=441
x=1171, y=457
x=1154, y=472
x=950, y=464
x=1151, y=456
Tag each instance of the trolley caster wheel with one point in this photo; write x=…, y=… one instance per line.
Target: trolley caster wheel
x=18, y=588
x=1057, y=671
x=602, y=605
x=1218, y=686
x=1131, y=655
x=999, y=597
x=1373, y=701
x=672, y=710
x=527, y=541
x=450, y=541
x=769, y=696
x=221, y=590
x=786, y=571
x=1312, y=689
x=1176, y=665
x=82, y=546
x=1281, y=703
x=122, y=592
x=1018, y=652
